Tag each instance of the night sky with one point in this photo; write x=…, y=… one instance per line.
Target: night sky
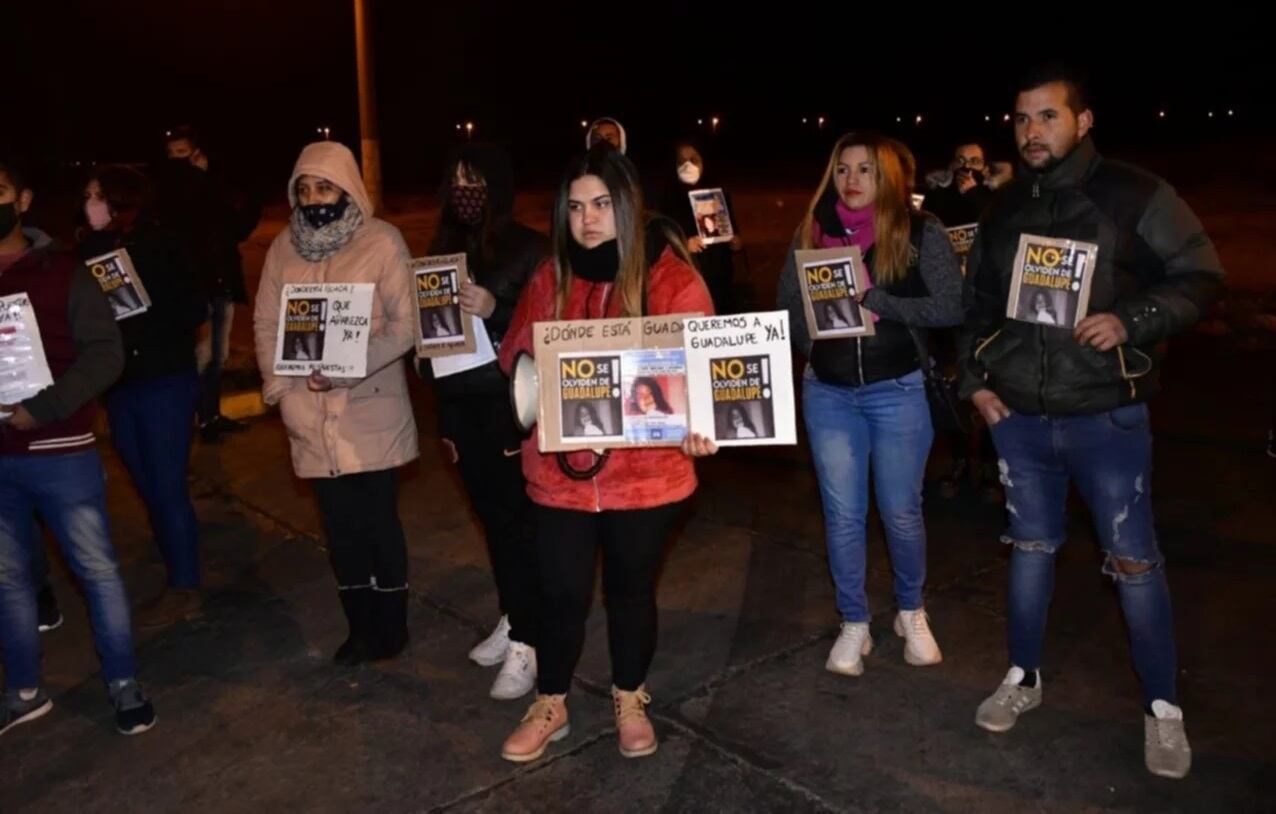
x=103, y=80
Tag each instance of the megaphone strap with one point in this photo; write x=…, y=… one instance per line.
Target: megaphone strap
x=583, y=474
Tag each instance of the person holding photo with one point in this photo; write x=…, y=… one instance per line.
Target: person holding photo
x=1071, y=405
x=740, y=423
x=646, y=397
x=587, y=420
x=717, y=261
x=864, y=398
x=151, y=409
x=607, y=262
x=348, y=436
x=475, y=422
x=1040, y=310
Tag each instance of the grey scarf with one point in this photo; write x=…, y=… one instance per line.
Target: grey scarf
x=320, y=244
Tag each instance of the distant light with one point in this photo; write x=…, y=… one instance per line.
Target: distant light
x=804, y=121
x=987, y=118
x=919, y=119
x=1006, y=117
x=699, y=121
x=821, y=121
x=715, y=121
x=167, y=133
x=1161, y=114
x=899, y=119
x=1231, y=112
x=583, y=124
x=458, y=125
x=1211, y=114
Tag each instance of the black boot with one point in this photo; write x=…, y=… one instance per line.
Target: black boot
x=390, y=623
x=358, y=646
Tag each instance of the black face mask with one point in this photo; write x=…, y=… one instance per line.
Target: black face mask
x=320, y=215
x=9, y=219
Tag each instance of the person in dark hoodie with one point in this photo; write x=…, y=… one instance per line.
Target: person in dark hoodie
x=151, y=408
x=213, y=218
x=716, y=262
x=475, y=421
x=49, y=465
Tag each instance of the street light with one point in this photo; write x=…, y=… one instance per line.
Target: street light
x=326, y=132
x=715, y=123
x=583, y=124
x=919, y=118
x=469, y=131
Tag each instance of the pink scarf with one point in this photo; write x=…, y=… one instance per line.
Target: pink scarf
x=859, y=227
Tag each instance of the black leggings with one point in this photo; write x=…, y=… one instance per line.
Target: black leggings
x=365, y=538
x=488, y=460
x=567, y=545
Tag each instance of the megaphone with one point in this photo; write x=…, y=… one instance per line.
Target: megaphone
x=525, y=391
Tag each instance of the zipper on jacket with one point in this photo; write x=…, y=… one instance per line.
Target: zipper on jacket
x=859, y=357
x=598, y=496
x=1036, y=188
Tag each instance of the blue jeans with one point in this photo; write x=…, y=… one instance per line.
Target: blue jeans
x=151, y=428
x=884, y=426
x=1109, y=458
x=211, y=353
x=69, y=492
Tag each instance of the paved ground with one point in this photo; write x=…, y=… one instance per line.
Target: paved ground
x=253, y=716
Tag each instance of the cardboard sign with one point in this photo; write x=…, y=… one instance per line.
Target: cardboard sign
x=442, y=328
x=120, y=283
x=24, y=370
x=740, y=376
x=611, y=383
x=324, y=327
x=962, y=238
x=831, y=279
x=1050, y=281
x=713, y=220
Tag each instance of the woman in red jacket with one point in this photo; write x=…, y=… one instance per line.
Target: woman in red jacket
x=607, y=262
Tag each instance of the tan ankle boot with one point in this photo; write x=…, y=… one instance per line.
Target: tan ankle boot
x=633, y=729
x=544, y=723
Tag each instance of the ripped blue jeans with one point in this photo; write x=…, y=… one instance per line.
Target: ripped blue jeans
x=1109, y=458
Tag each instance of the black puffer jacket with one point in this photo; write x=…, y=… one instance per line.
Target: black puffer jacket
x=1157, y=272
x=500, y=253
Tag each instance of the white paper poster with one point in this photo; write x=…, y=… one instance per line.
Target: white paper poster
x=324, y=327
x=485, y=353
x=24, y=370
x=740, y=379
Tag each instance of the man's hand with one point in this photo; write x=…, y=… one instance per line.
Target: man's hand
x=990, y=406
x=1101, y=331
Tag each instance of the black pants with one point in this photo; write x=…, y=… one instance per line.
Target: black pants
x=365, y=538
x=567, y=544
x=487, y=446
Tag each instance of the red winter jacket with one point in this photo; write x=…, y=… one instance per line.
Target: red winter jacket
x=631, y=478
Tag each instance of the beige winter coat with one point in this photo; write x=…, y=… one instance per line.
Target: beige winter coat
x=361, y=425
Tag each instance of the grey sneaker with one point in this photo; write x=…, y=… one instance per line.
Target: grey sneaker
x=1165, y=748
x=1000, y=710
x=15, y=710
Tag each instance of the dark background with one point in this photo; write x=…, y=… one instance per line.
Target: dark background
x=97, y=81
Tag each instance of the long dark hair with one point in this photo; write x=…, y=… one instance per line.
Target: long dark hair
x=736, y=409
x=657, y=394
x=488, y=164
x=593, y=415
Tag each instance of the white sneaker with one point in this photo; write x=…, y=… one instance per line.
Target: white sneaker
x=491, y=651
x=518, y=674
x=847, y=655
x=1165, y=748
x=920, y=647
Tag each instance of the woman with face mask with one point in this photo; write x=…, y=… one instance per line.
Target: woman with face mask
x=607, y=262
x=151, y=408
x=716, y=262
x=348, y=436
x=475, y=421
x=864, y=398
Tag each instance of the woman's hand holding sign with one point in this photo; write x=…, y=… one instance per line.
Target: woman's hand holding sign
x=477, y=300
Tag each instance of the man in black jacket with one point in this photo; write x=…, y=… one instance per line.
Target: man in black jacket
x=200, y=202
x=958, y=197
x=1069, y=402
